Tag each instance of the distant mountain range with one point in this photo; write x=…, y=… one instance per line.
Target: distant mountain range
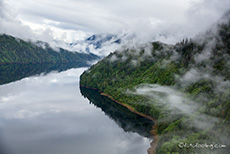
x=98, y=40
x=98, y=44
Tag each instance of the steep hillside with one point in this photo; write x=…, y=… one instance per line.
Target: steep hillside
x=13, y=50
x=185, y=86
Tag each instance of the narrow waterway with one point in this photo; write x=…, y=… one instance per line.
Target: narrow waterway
x=47, y=114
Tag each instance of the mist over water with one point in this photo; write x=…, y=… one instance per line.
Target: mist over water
x=46, y=114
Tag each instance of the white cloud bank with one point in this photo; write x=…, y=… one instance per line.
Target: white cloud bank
x=71, y=20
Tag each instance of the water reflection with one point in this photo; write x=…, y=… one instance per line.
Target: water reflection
x=46, y=114
x=127, y=120
x=14, y=72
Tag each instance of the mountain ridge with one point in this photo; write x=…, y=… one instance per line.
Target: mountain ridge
x=185, y=86
x=15, y=50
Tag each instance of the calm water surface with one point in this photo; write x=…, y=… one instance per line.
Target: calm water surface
x=47, y=114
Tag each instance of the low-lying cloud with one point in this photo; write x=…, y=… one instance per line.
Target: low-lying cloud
x=175, y=102
x=173, y=99
x=149, y=20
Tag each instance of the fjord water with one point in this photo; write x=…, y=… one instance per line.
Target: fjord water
x=47, y=114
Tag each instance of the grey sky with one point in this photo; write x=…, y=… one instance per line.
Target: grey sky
x=69, y=20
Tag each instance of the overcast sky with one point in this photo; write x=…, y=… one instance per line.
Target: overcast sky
x=70, y=20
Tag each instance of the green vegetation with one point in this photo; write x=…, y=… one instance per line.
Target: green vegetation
x=198, y=68
x=13, y=50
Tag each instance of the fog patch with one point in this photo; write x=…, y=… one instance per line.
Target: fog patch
x=175, y=102
x=113, y=58
x=173, y=99
x=192, y=76
x=134, y=51
x=206, y=52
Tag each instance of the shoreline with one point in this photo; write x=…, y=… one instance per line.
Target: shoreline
x=51, y=62
x=153, y=132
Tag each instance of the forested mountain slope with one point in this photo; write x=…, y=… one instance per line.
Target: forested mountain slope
x=185, y=86
x=14, y=50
